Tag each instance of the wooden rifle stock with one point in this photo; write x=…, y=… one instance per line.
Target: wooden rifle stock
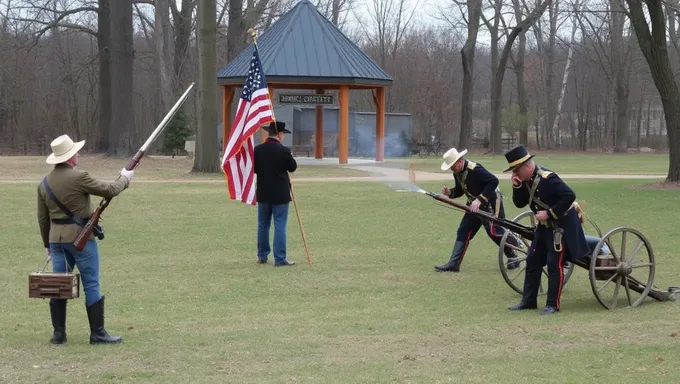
x=86, y=231
x=521, y=230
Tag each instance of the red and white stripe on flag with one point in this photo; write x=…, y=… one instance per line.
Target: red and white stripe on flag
x=254, y=110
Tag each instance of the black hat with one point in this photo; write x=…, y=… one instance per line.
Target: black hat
x=516, y=157
x=276, y=127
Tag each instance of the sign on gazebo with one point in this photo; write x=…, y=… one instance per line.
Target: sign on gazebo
x=299, y=98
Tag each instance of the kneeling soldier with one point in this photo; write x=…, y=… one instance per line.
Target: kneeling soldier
x=559, y=234
x=481, y=189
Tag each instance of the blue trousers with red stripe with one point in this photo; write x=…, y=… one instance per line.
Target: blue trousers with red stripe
x=468, y=228
x=542, y=252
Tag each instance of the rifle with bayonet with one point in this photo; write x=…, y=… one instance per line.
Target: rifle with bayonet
x=93, y=222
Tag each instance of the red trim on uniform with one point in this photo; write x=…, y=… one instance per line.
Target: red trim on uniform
x=561, y=268
x=467, y=241
x=493, y=233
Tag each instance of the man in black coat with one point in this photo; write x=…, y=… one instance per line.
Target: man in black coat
x=273, y=161
x=559, y=234
x=480, y=187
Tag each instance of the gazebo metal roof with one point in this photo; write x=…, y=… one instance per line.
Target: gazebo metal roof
x=304, y=47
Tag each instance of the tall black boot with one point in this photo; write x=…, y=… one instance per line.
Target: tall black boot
x=58, y=314
x=95, y=314
x=456, y=256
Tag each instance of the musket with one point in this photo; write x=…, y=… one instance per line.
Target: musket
x=86, y=230
x=519, y=229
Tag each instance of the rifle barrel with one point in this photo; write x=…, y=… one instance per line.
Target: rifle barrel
x=521, y=230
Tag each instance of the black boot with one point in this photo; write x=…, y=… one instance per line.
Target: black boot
x=58, y=314
x=95, y=314
x=510, y=253
x=454, y=262
x=523, y=304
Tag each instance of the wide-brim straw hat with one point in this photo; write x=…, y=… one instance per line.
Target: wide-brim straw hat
x=63, y=148
x=451, y=156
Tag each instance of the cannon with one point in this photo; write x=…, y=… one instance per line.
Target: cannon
x=622, y=259
x=620, y=264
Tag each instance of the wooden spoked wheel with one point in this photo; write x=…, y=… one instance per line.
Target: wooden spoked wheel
x=622, y=268
x=515, y=276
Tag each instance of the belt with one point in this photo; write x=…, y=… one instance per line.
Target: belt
x=63, y=221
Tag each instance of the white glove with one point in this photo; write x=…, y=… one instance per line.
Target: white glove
x=47, y=252
x=124, y=172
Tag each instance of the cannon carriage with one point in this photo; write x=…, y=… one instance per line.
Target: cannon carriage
x=620, y=264
x=621, y=260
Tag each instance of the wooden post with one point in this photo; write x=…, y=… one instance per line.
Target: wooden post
x=318, y=136
x=343, y=131
x=263, y=133
x=380, y=124
x=227, y=98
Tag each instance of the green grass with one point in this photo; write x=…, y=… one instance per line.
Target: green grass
x=563, y=163
x=150, y=168
x=184, y=291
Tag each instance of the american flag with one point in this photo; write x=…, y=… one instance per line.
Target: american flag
x=254, y=110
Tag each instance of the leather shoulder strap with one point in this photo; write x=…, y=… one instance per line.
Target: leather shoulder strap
x=52, y=196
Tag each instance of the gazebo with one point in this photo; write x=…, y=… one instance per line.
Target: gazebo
x=304, y=50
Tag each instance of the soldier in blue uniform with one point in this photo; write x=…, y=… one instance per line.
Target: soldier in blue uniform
x=481, y=189
x=559, y=234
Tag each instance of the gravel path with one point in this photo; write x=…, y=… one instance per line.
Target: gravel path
x=375, y=174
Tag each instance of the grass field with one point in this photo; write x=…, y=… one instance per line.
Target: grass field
x=582, y=163
x=183, y=289
x=160, y=167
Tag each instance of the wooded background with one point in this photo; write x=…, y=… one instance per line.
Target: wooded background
x=554, y=74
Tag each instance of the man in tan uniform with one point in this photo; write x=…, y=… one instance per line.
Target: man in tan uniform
x=63, y=206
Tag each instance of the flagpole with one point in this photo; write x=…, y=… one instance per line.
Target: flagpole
x=292, y=194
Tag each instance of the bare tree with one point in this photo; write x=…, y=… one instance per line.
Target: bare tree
x=518, y=66
x=240, y=21
x=467, y=53
x=182, y=26
x=122, y=57
x=206, y=159
x=497, y=92
x=494, y=30
x=162, y=43
x=655, y=49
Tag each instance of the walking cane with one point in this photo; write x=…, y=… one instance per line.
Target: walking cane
x=302, y=231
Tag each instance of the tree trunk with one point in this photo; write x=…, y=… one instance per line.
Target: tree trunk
x=468, y=57
x=182, y=25
x=103, y=145
x=522, y=98
x=162, y=45
x=655, y=49
x=235, y=29
x=565, y=81
x=639, y=122
x=206, y=159
x=495, y=130
x=122, y=57
x=549, y=63
x=497, y=96
x=619, y=69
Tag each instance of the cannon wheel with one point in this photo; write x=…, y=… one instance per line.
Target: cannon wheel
x=515, y=277
x=630, y=269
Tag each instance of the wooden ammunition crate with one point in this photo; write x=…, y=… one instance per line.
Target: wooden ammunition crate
x=54, y=285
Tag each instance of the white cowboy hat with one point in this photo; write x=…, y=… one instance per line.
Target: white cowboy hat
x=450, y=158
x=63, y=148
